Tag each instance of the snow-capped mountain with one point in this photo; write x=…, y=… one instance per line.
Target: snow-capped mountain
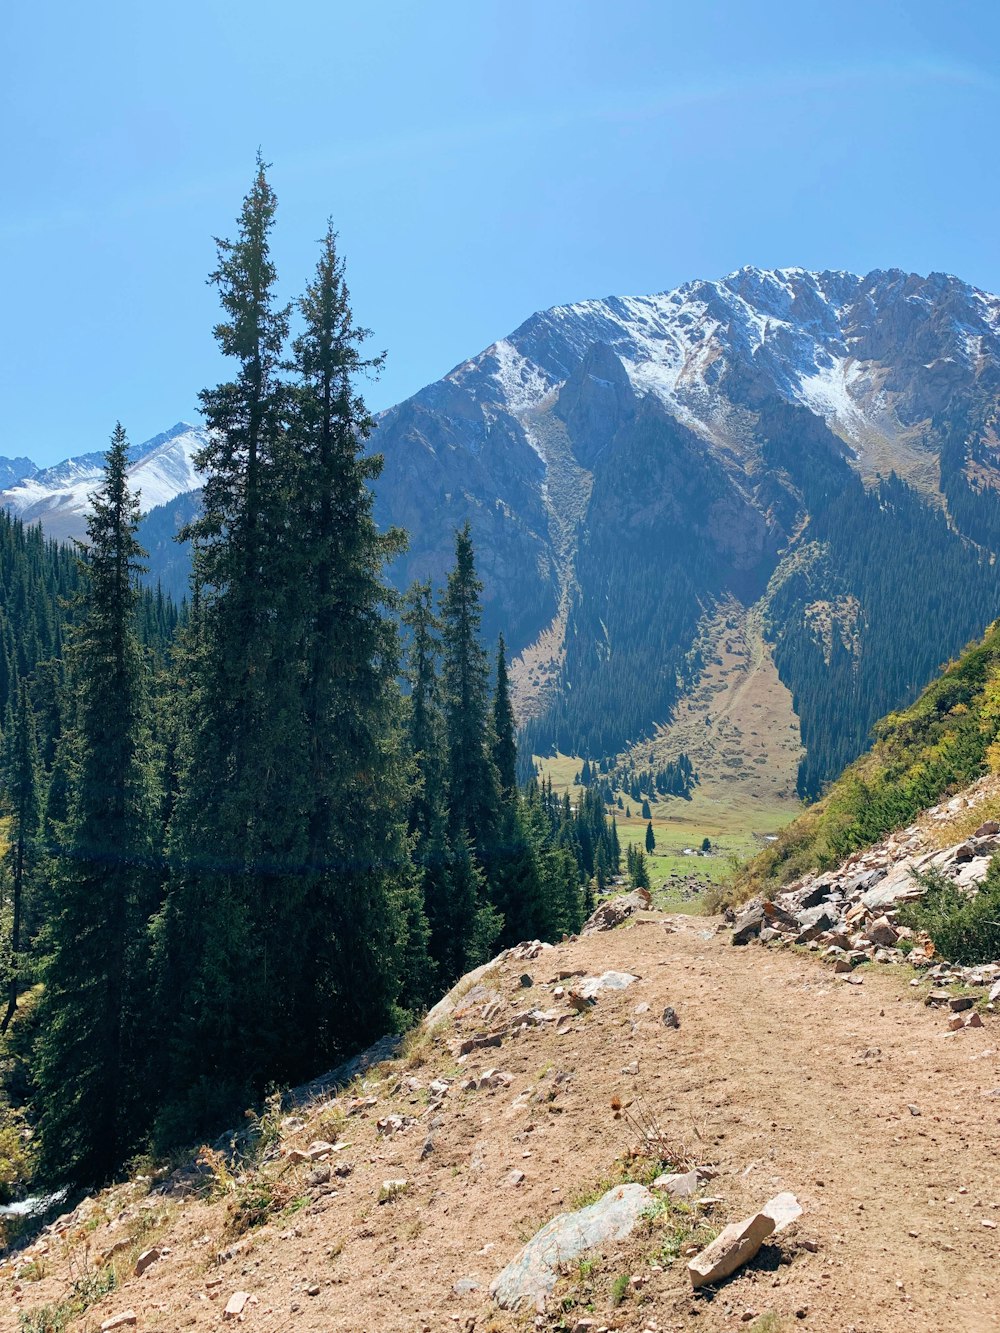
x=865, y=353
x=807, y=464
x=58, y=497
x=629, y=464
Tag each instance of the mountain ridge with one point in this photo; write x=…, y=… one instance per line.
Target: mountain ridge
x=630, y=465
x=759, y=402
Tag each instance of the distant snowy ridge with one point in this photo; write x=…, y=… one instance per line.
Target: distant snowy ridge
x=58, y=497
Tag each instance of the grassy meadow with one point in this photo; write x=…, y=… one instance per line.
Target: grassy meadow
x=734, y=819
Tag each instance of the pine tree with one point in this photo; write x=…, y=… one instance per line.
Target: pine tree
x=425, y=724
x=503, y=740
x=646, y=812
x=23, y=799
x=230, y=925
x=364, y=907
x=650, y=837
x=92, y=1052
x=472, y=776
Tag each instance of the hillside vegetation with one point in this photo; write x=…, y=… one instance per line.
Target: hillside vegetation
x=941, y=743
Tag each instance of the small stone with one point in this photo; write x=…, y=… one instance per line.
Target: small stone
x=913, y=1110
x=127, y=1319
x=958, y=1003
x=526, y=980
x=670, y=1018
x=392, y=1188
x=312, y=1289
x=147, y=1258
x=783, y=1210
x=956, y=1024
x=679, y=1185
x=974, y=1021
x=466, y=1286
x=514, y=1177
x=235, y=1304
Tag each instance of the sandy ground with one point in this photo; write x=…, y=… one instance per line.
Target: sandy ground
x=780, y=1075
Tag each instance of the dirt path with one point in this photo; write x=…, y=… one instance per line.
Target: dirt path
x=782, y=1076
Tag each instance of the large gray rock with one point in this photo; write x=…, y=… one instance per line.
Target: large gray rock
x=531, y=1275
x=899, y=885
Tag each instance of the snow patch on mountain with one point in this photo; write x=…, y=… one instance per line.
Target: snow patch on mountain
x=812, y=338
x=59, y=497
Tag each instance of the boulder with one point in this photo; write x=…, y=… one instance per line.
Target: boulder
x=531, y=1275
x=815, y=894
x=972, y=873
x=748, y=924
x=898, y=886
x=817, y=919
x=616, y=910
x=590, y=986
x=881, y=932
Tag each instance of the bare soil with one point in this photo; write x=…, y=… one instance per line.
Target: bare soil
x=854, y=1096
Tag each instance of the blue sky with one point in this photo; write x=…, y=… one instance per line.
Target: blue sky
x=481, y=160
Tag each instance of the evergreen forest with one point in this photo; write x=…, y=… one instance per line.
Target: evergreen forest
x=248, y=835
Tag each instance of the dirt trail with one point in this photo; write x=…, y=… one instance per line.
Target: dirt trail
x=780, y=1074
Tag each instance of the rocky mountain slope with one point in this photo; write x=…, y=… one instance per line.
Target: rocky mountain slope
x=631, y=464
x=547, y=1080
x=943, y=742
x=811, y=457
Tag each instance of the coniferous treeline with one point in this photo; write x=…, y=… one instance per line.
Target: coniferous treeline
x=240, y=860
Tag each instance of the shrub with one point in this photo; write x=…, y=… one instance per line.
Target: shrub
x=965, y=927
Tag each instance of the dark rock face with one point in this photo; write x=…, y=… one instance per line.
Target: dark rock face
x=635, y=460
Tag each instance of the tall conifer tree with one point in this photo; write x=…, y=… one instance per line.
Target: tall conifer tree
x=367, y=939
x=92, y=1053
x=472, y=776
x=504, y=729
x=23, y=783
x=238, y=839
